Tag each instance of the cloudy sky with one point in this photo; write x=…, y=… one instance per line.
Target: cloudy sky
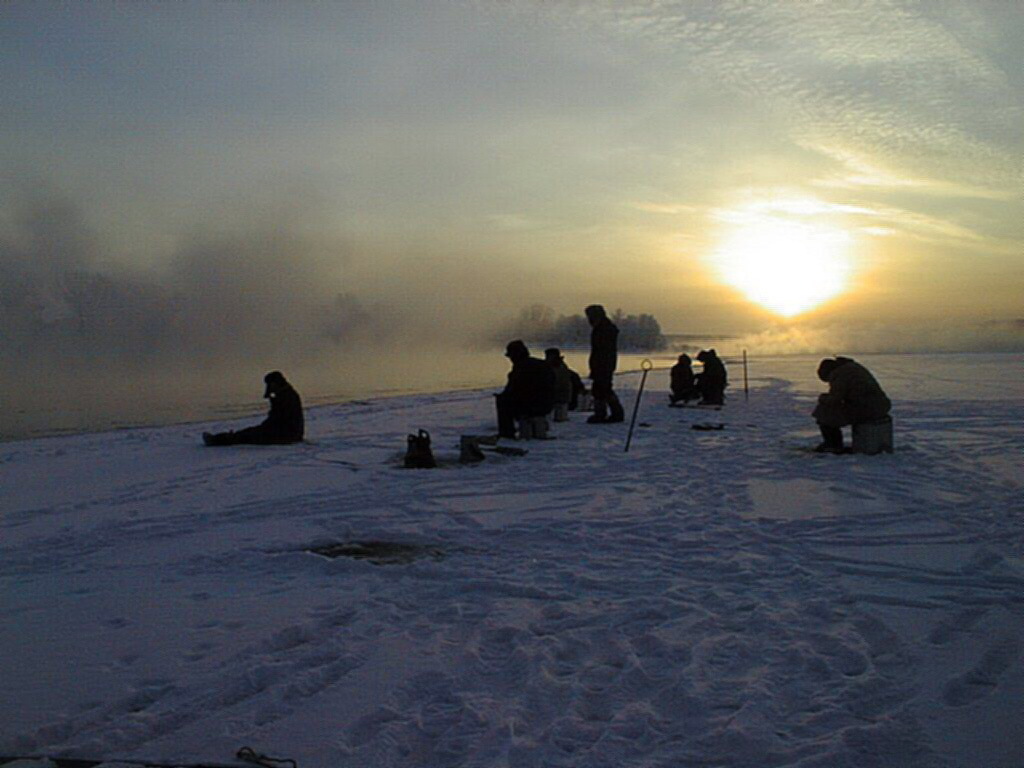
x=290, y=174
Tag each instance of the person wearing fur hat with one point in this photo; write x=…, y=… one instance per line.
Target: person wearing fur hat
x=530, y=390
x=854, y=396
x=283, y=425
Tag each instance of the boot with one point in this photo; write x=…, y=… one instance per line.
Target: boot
x=418, y=454
x=833, y=440
x=617, y=413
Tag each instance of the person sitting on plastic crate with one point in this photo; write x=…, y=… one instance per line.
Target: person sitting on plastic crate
x=853, y=397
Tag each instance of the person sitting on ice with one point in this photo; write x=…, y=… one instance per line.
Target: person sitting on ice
x=579, y=391
x=712, y=381
x=683, y=382
x=853, y=397
x=283, y=425
x=563, y=383
x=529, y=393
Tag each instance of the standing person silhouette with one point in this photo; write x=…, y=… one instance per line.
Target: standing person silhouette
x=604, y=340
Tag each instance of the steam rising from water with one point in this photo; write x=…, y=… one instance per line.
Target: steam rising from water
x=272, y=293
x=87, y=342
x=864, y=338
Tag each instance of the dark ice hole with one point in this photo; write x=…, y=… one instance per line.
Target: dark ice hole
x=378, y=552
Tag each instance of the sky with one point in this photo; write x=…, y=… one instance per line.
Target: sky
x=229, y=180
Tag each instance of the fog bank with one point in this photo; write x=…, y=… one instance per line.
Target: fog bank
x=217, y=297
x=880, y=338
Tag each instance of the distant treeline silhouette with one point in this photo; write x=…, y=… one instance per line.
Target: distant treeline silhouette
x=539, y=324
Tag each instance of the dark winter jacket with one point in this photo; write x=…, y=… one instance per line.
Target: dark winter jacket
x=853, y=396
x=578, y=388
x=530, y=390
x=604, y=343
x=285, y=423
x=713, y=376
x=563, y=383
x=682, y=379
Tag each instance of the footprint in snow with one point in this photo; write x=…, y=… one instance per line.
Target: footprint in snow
x=951, y=626
x=982, y=679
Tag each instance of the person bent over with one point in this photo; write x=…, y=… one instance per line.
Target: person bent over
x=712, y=381
x=563, y=383
x=853, y=396
x=682, y=382
x=579, y=392
x=283, y=425
x=530, y=391
x=604, y=342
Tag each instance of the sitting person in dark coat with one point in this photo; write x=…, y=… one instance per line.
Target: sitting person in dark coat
x=712, y=381
x=683, y=383
x=530, y=390
x=853, y=397
x=578, y=390
x=563, y=382
x=282, y=426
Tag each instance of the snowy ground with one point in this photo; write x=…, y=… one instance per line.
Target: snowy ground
x=716, y=598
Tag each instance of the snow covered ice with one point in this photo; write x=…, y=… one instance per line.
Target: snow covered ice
x=711, y=598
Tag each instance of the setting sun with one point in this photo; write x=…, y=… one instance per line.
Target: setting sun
x=786, y=266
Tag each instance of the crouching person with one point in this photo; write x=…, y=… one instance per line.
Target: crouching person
x=712, y=381
x=283, y=425
x=683, y=383
x=581, y=400
x=853, y=397
x=529, y=394
x=564, y=389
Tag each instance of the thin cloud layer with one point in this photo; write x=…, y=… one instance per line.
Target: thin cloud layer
x=900, y=82
x=474, y=157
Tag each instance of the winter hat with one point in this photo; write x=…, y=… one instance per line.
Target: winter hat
x=825, y=368
x=271, y=379
x=516, y=350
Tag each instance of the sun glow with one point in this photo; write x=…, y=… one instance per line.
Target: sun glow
x=786, y=266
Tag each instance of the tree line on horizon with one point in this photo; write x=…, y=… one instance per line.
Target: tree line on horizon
x=539, y=324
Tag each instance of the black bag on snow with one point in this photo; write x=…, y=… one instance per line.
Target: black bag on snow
x=418, y=454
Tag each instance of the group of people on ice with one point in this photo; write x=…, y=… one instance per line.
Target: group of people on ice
x=708, y=386
x=539, y=388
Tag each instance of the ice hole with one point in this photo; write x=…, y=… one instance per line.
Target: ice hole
x=378, y=552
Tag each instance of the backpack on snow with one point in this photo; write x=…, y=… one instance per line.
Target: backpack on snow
x=418, y=454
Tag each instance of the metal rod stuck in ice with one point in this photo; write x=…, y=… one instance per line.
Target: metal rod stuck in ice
x=645, y=366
